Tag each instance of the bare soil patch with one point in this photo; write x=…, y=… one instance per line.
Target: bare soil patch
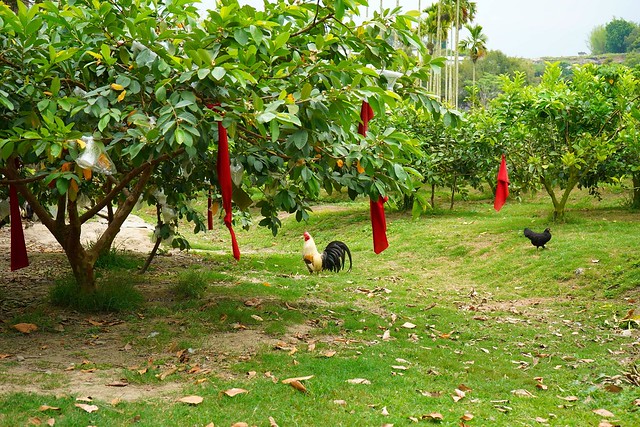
x=82, y=355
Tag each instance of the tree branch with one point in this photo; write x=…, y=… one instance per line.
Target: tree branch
x=123, y=183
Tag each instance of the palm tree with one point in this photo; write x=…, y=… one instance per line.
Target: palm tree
x=475, y=45
x=444, y=19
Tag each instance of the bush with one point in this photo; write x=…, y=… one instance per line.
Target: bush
x=190, y=285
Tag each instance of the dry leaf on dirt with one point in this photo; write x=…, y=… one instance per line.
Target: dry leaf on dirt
x=235, y=391
x=48, y=408
x=288, y=380
x=25, y=328
x=87, y=408
x=191, y=400
x=358, y=381
x=122, y=383
x=603, y=413
x=298, y=386
x=4, y=355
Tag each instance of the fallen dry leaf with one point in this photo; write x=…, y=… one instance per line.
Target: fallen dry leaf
x=34, y=421
x=386, y=336
x=51, y=422
x=329, y=353
x=459, y=395
x=288, y=380
x=434, y=416
x=122, y=383
x=466, y=417
x=385, y=412
x=25, y=328
x=358, y=381
x=399, y=367
x=4, y=355
x=464, y=388
x=568, y=398
x=605, y=423
x=340, y=402
x=612, y=388
x=408, y=325
x=272, y=422
x=87, y=408
x=240, y=424
x=522, y=393
x=298, y=386
x=603, y=413
x=235, y=391
x=48, y=408
x=541, y=420
x=191, y=400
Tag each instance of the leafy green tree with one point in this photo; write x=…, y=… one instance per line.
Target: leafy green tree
x=561, y=130
x=617, y=32
x=149, y=85
x=598, y=40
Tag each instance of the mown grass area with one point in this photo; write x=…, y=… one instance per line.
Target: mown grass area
x=460, y=322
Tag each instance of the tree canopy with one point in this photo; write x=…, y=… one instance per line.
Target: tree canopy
x=147, y=81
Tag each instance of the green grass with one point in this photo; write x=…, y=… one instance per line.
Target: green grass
x=492, y=315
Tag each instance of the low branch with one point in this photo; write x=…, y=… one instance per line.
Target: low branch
x=123, y=183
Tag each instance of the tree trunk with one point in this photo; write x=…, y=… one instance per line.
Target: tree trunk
x=433, y=196
x=635, y=203
x=453, y=190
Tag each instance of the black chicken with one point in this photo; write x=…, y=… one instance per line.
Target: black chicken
x=538, y=239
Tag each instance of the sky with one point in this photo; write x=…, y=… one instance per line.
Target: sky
x=529, y=28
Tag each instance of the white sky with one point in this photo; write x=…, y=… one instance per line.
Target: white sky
x=530, y=28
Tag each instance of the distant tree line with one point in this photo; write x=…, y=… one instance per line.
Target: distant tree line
x=617, y=36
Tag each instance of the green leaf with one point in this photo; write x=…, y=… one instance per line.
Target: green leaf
x=7, y=150
x=306, y=91
x=55, y=86
x=300, y=138
x=241, y=36
x=62, y=185
x=218, y=73
x=203, y=73
x=104, y=121
x=161, y=93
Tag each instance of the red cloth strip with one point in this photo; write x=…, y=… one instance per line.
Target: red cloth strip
x=376, y=208
x=502, y=189
x=224, y=178
x=379, y=225
x=19, y=257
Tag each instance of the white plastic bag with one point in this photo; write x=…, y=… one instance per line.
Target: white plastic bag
x=94, y=157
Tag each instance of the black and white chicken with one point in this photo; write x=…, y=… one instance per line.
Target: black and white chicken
x=333, y=258
x=538, y=239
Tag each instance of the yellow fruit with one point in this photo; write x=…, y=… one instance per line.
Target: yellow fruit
x=122, y=95
x=340, y=163
x=116, y=86
x=359, y=167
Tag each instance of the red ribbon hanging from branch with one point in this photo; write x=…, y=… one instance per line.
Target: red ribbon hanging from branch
x=502, y=189
x=224, y=177
x=376, y=208
x=19, y=257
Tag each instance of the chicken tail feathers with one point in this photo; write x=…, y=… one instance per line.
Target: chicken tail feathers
x=334, y=256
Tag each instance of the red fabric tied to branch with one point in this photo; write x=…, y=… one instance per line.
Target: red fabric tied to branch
x=379, y=224
x=376, y=208
x=224, y=178
x=209, y=213
x=19, y=257
x=502, y=189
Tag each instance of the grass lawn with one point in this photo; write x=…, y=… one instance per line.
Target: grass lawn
x=460, y=322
